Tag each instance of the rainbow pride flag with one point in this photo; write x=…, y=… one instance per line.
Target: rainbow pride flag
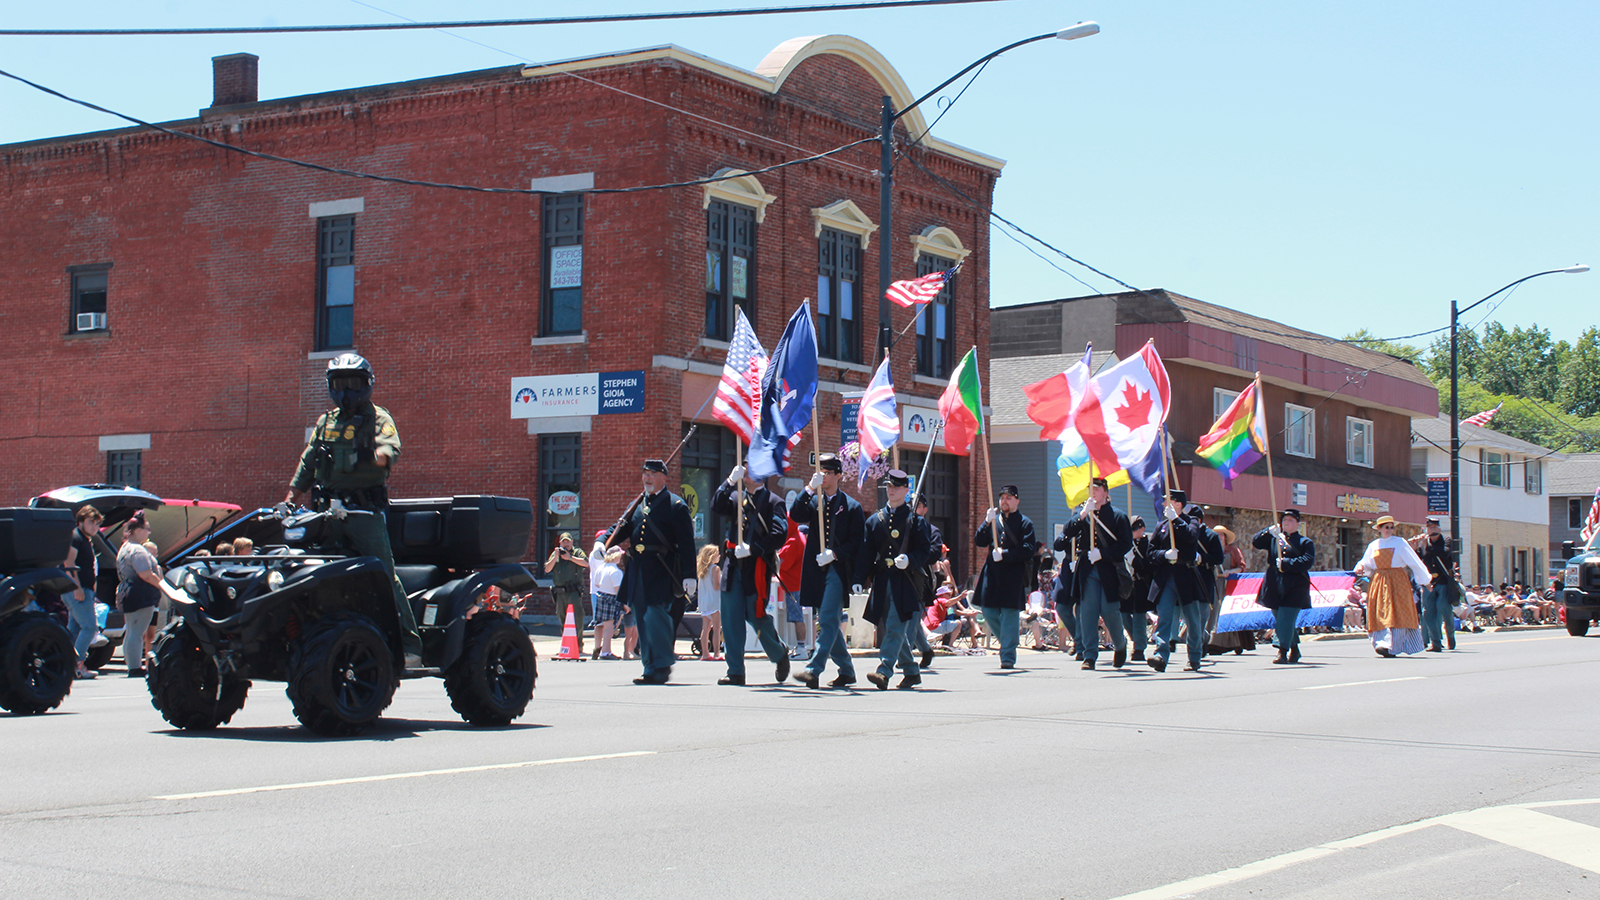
x=1239, y=437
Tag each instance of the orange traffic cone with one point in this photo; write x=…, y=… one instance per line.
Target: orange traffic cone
x=569, y=638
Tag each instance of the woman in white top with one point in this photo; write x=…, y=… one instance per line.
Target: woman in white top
x=709, y=593
x=605, y=577
x=1391, y=610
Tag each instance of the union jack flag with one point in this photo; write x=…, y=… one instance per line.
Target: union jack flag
x=739, y=393
x=878, y=421
x=920, y=290
x=1592, y=523
x=1482, y=419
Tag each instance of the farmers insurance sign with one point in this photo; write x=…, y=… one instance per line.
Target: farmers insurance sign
x=588, y=394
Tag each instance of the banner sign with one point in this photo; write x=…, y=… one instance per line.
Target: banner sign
x=1438, y=493
x=917, y=424
x=1240, y=612
x=586, y=394
x=848, y=411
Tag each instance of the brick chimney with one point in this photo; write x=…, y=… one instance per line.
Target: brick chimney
x=233, y=79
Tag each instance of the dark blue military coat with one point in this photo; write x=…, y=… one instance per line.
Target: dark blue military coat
x=1291, y=587
x=1006, y=584
x=659, y=537
x=887, y=532
x=847, y=525
x=766, y=527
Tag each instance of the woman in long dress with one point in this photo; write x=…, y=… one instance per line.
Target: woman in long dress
x=1391, y=611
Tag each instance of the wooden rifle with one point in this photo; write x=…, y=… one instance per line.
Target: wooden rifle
x=616, y=527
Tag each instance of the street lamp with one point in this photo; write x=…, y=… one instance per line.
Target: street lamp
x=1455, y=400
x=886, y=165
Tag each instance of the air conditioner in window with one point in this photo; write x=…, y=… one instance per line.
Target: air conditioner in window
x=91, y=321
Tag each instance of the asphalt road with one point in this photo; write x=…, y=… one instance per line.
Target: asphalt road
x=1348, y=776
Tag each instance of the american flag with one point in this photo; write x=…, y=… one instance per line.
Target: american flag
x=739, y=393
x=878, y=421
x=1592, y=523
x=1482, y=419
x=920, y=290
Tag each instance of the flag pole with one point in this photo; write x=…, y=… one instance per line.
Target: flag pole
x=816, y=447
x=738, y=491
x=1166, y=483
x=1091, y=497
x=1272, y=486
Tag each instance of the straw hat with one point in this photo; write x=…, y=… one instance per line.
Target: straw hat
x=1227, y=536
x=1383, y=520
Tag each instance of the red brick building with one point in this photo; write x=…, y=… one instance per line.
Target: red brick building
x=170, y=306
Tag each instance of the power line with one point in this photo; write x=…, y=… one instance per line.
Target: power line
x=481, y=23
x=413, y=182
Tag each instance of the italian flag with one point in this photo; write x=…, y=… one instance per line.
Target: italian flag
x=961, y=406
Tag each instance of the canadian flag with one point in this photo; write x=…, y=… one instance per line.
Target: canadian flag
x=1121, y=413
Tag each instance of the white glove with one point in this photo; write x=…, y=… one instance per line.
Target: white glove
x=997, y=554
x=742, y=551
x=816, y=482
x=688, y=586
x=337, y=510
x=1090, y=506
x=902, y=561
x=825, y=557
x=1072, y=566
x=1094, y=554
x=855, y=588
x=1282, y=565
x=1170, y=513
x=989, y=515
x=1171, y=555
x=735, y=474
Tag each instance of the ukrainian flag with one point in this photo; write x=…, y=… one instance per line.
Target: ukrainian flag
x=1073, y=467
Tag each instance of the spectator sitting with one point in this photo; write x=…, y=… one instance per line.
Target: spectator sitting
x=243, y=546
x=1507, y=606
x=1355, y=608
x=1038, y=616
x=225, y=548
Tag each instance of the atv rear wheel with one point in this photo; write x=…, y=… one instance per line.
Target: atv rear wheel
x=341, y=675
x=493, y=680
x=185, y=685
x=37, y=663
x=1576, y=626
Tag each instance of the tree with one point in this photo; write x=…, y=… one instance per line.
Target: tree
x=1367, y=340
x=1521, y=361
x=1580, y=376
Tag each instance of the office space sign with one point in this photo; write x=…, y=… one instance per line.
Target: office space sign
x=585, y=394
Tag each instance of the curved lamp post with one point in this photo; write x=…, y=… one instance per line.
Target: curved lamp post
x=886, y=166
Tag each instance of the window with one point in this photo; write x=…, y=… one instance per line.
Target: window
x=1574, y=513
x=1533, y=476
x=336, y=282
x=838, y=313
x=1221, y=399
x=1494, y=468
x=1350, y=548
x=88, y=298
x=1485, y=572
x=706, y=460
x=1299, y=431
x=560, y=472
x=1419, y=465
x=124, y=467
x=935, y=323
x=1358, y=442
x=730, y=266
x=561, y=301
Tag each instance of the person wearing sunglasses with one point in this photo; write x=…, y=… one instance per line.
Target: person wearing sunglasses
x=1391, y=610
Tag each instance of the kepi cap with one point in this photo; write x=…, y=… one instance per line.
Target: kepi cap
x=654, y=465
x=1289, y=513
x=897, y=478
x=1010, y=489
x=829, y=462
x=1178, y=497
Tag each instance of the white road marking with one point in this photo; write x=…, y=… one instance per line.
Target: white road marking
x=1562, y=840
x=364, y=779
x=1323, y=687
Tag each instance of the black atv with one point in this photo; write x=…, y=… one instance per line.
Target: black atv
x=308, y=613
x=36, y=656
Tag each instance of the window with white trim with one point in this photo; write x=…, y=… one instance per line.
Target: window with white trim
x=1221, y=399
x=1358, y=441
x=1494, y=468
x=1299, y=431
x=1533, y=477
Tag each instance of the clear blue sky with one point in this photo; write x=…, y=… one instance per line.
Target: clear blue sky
x=1330, y=165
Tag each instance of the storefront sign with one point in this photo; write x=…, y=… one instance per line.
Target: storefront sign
x=563, y=503
x=586, y=394
x=1297, y=494
x=566, y=267
x=1438, y=493
x=916, y=426
x=1355, y=503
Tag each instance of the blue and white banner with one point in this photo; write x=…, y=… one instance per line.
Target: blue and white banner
x=584, y=394
x=1328, y=597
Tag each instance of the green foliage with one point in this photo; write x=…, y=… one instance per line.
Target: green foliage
x=1369, y=341
x=1579, y=393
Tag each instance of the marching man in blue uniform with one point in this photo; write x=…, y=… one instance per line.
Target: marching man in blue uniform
x=748, y=567
x=896, y=543
x=1176, y=552
x=1286, y=586
x=659, y=536
x=1004, y=583
x=1099, y=594
x=826, y=569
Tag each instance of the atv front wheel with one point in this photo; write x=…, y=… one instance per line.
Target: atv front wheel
x=37, y=663
x=493, y=680
x=341, y=675
x=185, y=685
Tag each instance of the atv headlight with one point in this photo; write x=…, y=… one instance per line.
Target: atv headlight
x=274, y=580
x=190, y=584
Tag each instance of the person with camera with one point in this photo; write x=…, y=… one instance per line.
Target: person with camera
x=568, y=570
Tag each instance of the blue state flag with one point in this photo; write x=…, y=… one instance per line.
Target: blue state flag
x=788, y=392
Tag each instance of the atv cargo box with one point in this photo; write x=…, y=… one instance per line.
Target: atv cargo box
x=465, y=532
x=37, y=538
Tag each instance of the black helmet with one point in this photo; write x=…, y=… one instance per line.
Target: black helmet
x=350, y=380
